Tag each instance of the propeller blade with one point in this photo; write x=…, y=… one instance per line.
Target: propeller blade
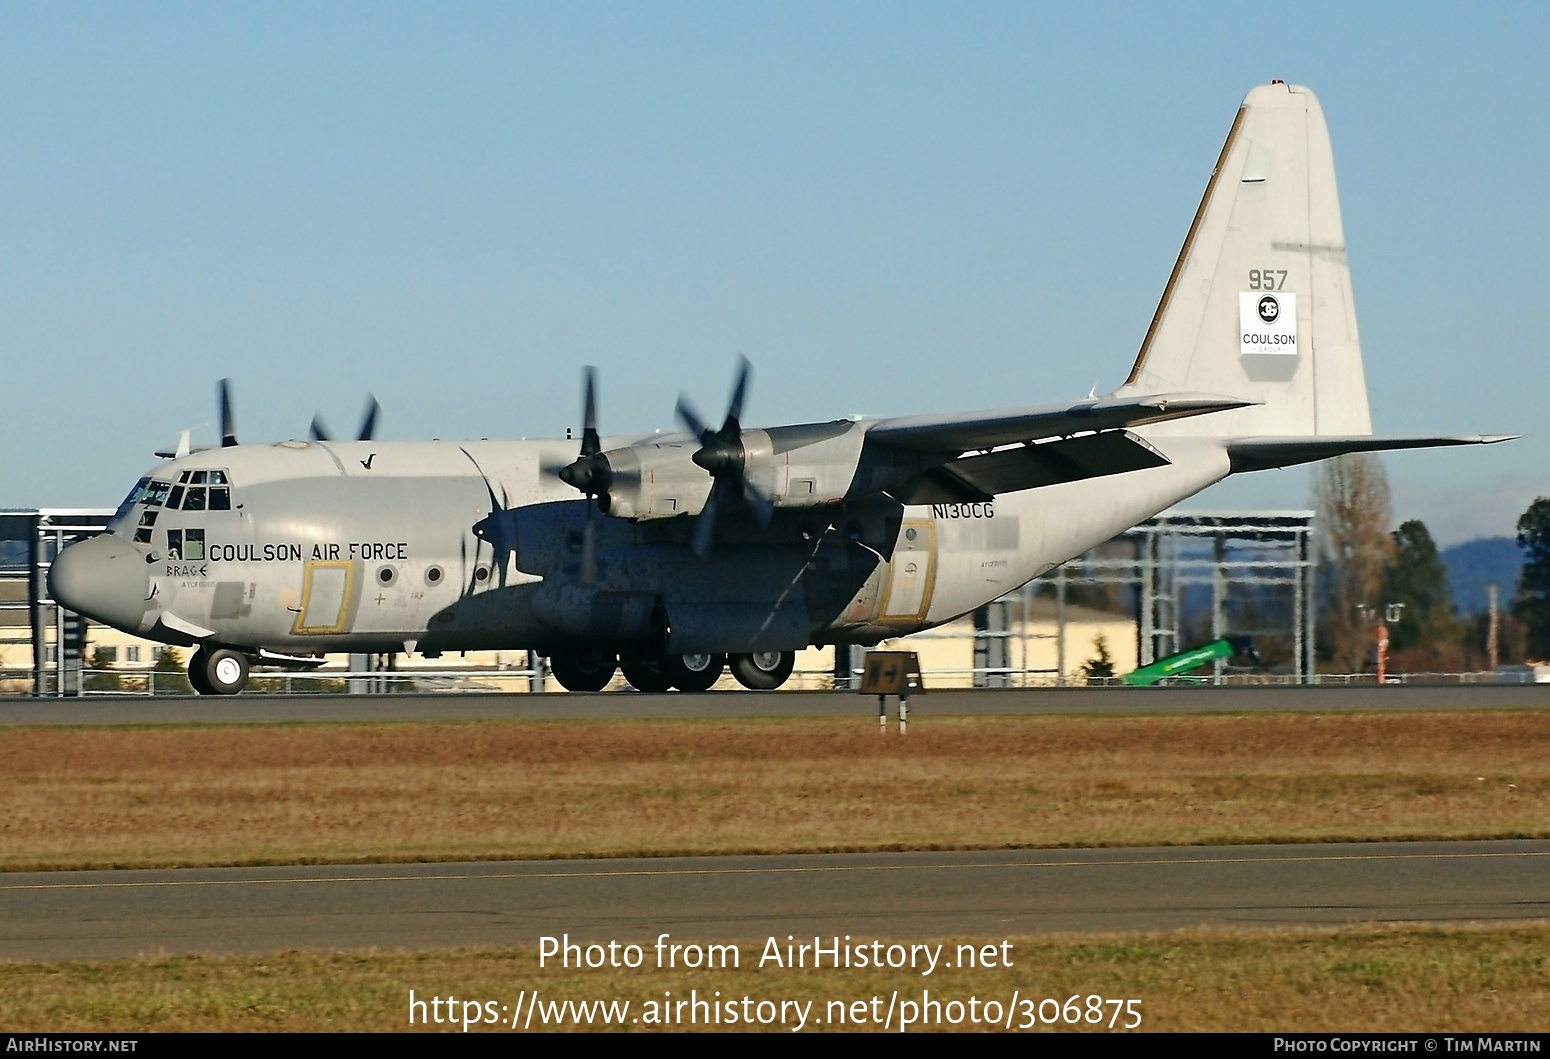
x=320, y=429
x=588, y=550
x=705, y=525
x=590, y=445
x=228, y=417
x=763, y=507
x=369, y=421
x=691, y=419
x=731, y=429
x=589, y=472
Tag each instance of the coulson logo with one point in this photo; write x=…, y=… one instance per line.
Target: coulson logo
x=1267, y=323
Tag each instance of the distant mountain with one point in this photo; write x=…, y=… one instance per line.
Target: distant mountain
x=1477, y=563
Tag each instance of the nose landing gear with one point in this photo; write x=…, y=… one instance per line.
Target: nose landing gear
x=218, y=671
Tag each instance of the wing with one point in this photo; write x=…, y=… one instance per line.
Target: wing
x=1009, y=426
x=973, y=457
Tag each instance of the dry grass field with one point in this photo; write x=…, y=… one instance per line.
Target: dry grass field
x=155, y=796
x=1366, y=978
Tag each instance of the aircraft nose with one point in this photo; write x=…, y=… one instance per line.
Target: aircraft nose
x=103, y=578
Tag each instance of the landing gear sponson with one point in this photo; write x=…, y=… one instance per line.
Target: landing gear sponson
x=591, y=668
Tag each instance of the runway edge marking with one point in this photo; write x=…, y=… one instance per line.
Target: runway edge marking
x=674, y=872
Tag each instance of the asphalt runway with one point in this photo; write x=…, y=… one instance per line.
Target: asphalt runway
x=901, y=896
x=270, y=709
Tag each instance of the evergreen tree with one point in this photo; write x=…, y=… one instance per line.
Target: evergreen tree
x=170, y=675
x=1099, y=668
x=104, y=679
x=1533, y=602
x=1417, y=578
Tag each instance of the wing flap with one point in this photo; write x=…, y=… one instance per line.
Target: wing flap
x=980, y=477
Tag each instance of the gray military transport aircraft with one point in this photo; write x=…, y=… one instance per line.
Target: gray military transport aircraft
x=675, y=556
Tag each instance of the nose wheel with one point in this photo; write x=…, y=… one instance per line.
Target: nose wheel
x=218, y=671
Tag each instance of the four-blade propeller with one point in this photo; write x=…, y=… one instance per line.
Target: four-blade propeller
x=223, y=389
x=368, y=429
x=723, y=455
x=589, y=472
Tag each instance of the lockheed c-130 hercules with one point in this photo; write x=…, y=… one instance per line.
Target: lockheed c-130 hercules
x=674, y=556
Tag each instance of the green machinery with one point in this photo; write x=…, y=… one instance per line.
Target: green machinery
x=1175, y=665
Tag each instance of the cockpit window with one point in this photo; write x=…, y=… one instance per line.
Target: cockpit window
x=220, y=496
x=200, y=477
x=147, y=520
x=187, y=545
x=175, y=498
x=218, y=478
x=129, y=501
x=156, y=493
x=194, y=500
x=183, y=478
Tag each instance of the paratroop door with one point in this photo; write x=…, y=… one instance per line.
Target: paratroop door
x=911, y=573
x=325, y=598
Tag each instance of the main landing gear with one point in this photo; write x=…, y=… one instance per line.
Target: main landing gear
x=591, y=668
x=218, y=671
x=763, y=670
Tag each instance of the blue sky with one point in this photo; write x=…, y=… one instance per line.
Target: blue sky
x=889, y=208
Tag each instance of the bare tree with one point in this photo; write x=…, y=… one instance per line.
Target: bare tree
x=1351, y=494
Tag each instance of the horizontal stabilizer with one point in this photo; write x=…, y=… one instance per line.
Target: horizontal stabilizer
x=988, y=430
x=1263, y=454
x=979, y=478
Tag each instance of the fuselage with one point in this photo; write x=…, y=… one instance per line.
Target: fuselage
x=311, y=547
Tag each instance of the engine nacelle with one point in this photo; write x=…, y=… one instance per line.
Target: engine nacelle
x=652, y=480
x=801, y=466
x=804, y=466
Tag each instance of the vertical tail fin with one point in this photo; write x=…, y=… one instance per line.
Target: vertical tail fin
x=1259, y=304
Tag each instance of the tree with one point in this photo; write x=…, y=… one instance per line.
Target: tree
x=1533, y=603
x=1351, y=494
x=103, y=679
x=1100, y=667
x=1417, y=578
x=169, y=676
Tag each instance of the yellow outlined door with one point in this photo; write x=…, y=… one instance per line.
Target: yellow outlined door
x=911, y=573
x=325, y=598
